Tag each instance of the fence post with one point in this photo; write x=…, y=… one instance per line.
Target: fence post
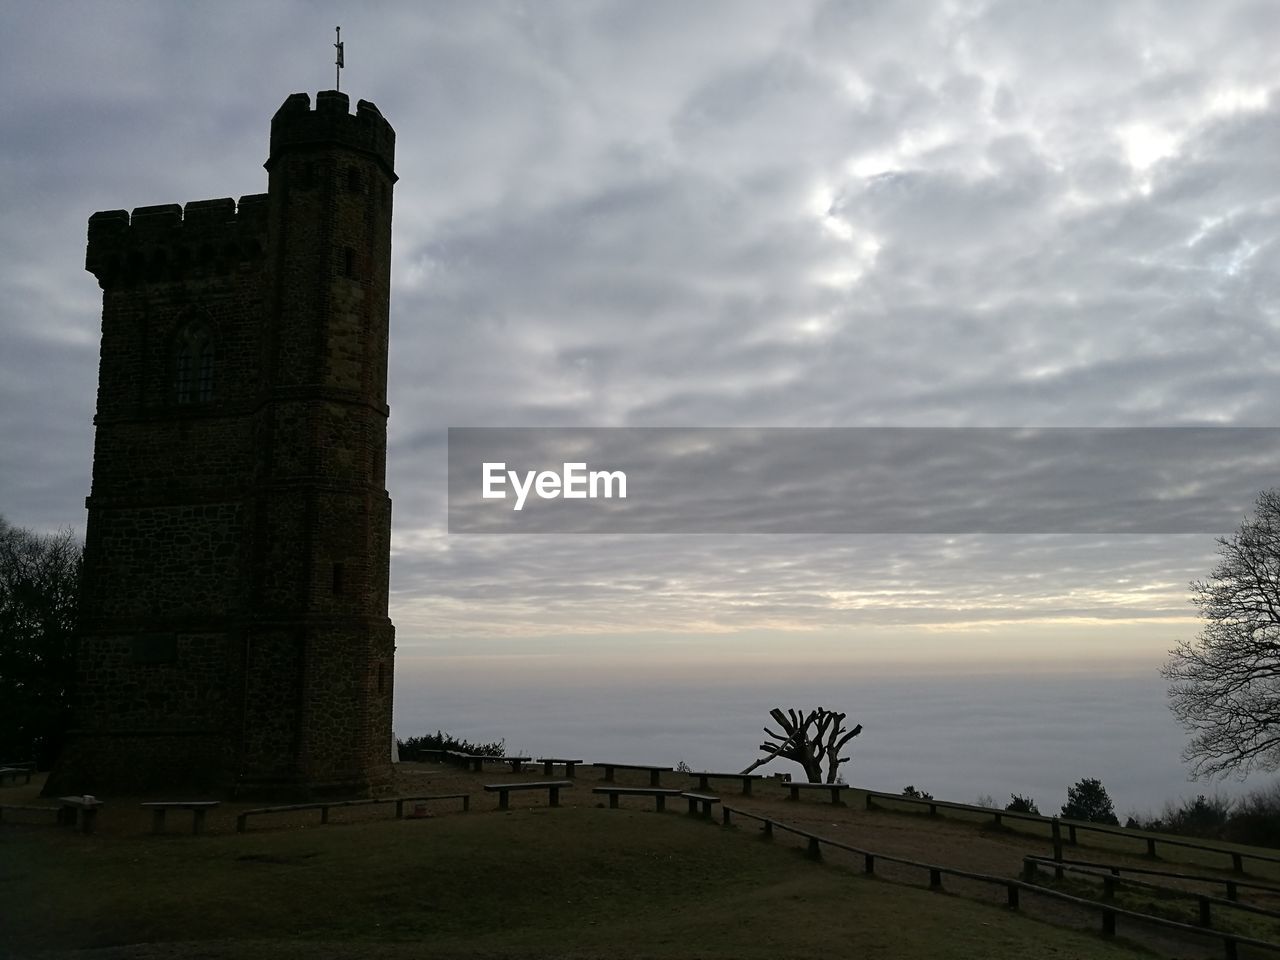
x=935, y=878
x=1057, y=838
x=1071, y=834
x=1013, y=895
x=1232, y=892
x=724, y=816
x=1108, y=923
x=1205, y=919
x=815, y=850
x=1237, y=863
x=1108, y=888
x=869, y=863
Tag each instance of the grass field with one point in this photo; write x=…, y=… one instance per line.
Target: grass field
x=579, y=881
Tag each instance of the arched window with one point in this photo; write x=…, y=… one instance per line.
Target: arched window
x=193, y=364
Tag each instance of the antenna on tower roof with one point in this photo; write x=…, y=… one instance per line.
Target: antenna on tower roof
x=339, y=60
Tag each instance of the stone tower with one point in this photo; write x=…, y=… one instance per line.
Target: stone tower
x=235, y=635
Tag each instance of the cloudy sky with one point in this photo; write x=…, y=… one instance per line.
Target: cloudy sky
x=747, y=214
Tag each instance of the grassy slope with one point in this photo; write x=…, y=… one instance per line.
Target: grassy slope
x=573, y=882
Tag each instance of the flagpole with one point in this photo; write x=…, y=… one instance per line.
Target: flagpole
x=337, y=60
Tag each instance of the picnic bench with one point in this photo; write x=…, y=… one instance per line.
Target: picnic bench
x=549, y=762
x=552, y=786
x=745, y=779
x=796, y=786
x=654, y=772
x=700, y=802
x=659, y=794
x=85, y=809
x=198, y=809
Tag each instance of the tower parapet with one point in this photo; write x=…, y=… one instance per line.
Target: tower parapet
x=331, y=123
x=169, y=241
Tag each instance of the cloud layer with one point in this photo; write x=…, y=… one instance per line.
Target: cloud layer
x=812, y=214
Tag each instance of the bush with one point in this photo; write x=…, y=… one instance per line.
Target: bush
x=1020, y=804
x=1201, y=817
x=911, y=791
x=1088, y=800
x=411, y=748
x=1256, y=818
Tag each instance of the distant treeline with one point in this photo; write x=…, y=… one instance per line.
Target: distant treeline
x=411, y=748
x=1254, y=819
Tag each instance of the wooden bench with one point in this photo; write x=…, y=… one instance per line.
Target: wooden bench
x=796, y=786
x=700, y=802
x=198, y=809
x=549, y=762
x=553, y=786
x=654, y=772
x=242, y=821
x=745, y=779
x=659, y=794
x=84, y=808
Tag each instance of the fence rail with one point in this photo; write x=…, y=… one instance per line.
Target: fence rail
x=1231, y=885
x=1074, y=827
x=1110, y=881
x=242, y=821
x=1013, y=887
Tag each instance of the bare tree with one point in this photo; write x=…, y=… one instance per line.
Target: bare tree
x=1224, y=687
x=809, y=741
x=39, y=591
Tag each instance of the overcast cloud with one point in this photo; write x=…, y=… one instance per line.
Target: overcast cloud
x=802, y=214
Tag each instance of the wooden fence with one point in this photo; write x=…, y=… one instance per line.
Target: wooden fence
x=242, y=821
x=1111, y=882
x=1109, y=913
x=1075, y=827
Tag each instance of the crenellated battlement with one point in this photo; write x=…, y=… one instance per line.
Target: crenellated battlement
x=296, y=125
x=169, y=241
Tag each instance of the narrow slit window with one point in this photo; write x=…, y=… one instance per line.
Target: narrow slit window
x=182, y=374
x=205, y=381
x=193, y=364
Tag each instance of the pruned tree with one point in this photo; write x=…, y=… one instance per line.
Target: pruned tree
x=809, y=740
x=1224, y=687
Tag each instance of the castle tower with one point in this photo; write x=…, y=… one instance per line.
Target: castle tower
x=235, y=635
